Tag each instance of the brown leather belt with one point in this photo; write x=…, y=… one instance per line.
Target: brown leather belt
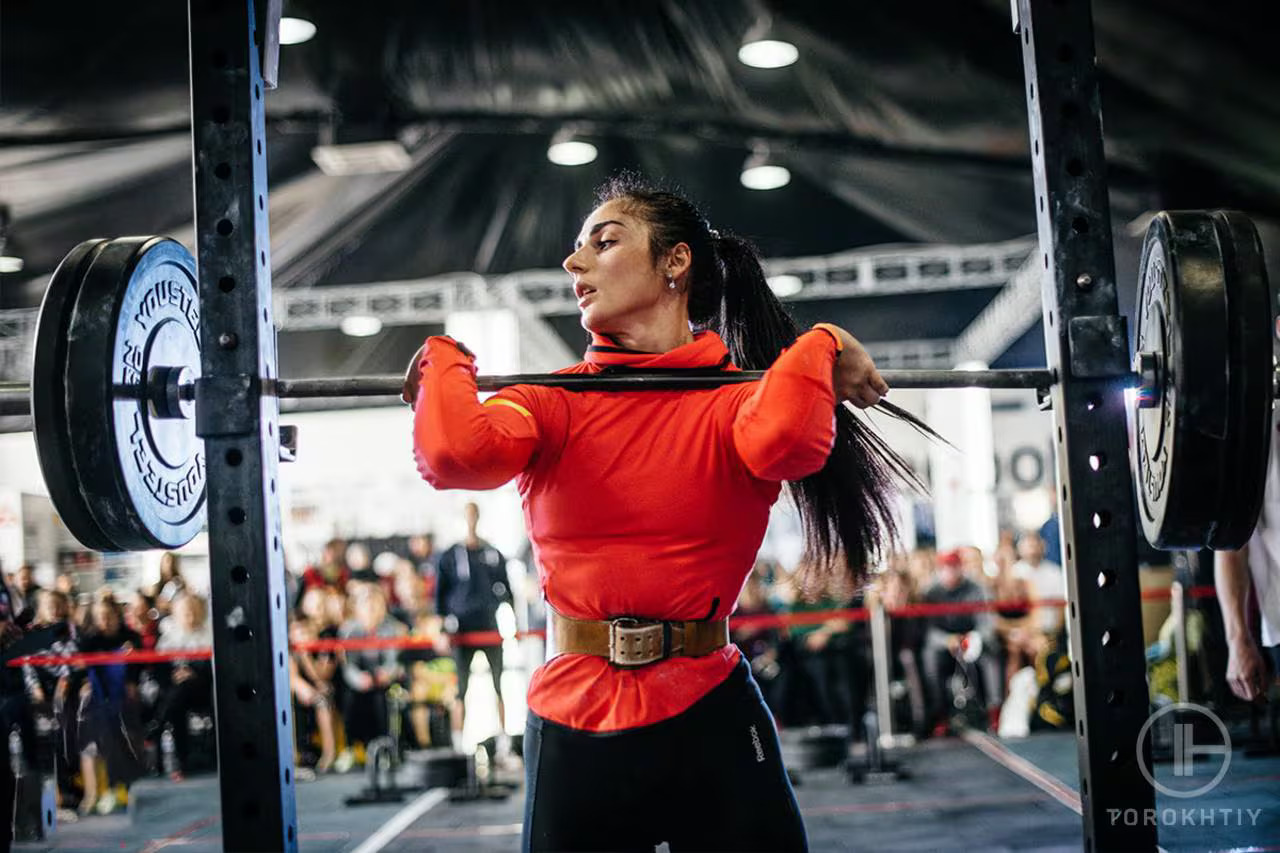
x=636, y=642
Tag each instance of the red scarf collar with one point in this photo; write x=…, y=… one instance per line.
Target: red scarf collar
x=707, y=350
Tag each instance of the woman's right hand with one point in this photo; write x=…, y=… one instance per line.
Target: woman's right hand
x=854, y=376
x=412, y=377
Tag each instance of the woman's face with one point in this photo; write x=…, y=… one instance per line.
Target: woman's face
x=614, y=275
x=105, y=618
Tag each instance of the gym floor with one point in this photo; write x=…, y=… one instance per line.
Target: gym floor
x=961, y=794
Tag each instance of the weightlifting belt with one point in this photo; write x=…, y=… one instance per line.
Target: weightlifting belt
x=635, y=642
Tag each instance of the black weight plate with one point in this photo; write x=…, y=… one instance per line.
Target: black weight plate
x=1251, y=375
x=1178, y=446
x=52, y=428
x=142, y=476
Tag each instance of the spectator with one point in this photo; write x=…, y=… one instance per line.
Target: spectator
x=171, y=583
x=10, y=710
x=66, y=584
x=360, y=562
x=1051, y=531
x=433, y=682
x=1015, y=622
x=367, y=673
x=24, y=593
x=817, y=663
x=144, y=617
x=110, y=729
x=190, y=685
x=422, y=552
x=472, y=585
x=50, y=685
x=410, y=596
x=759, y=642
x=311, y=679
x=906, y=639
x=947, y=634
x=1048, y=583
x=331, y=571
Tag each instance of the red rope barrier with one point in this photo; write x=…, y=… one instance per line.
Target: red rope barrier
x=493, y=638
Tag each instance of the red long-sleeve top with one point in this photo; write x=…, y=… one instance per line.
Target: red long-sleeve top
x=650, y=504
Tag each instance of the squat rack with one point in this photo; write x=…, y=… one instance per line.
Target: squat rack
x=234, y=41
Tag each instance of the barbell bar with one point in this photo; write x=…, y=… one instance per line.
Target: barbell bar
x=116, y=392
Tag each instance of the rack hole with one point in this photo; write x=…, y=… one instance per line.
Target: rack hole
x=226, y=284
x=262, y=259
x=245, y=692
x=1068, y=552
x=234, y=457
x=1097, y=461
x=1046, y=260
x=243, y=633
x=284, y=718
x=1042, y=204
x=225, y=227
x=262, y=204
x=1035, y=146
x=222, y=170
x=257, y=92
x=1075, y=168
x=1080, y=225
x=1101, y=519
x=1115, y=697
x=1092, y=403
x=1105, y=579
x=237, y=515
x=1031, y=91
x=1107, y=638
x=239, y=574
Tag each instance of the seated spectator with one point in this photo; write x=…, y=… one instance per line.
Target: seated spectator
x=818, y=663
x=311, y=680
x=410, y=594
x=360, y=562
x=1048, y=582
x=190, y=682
x=110, y=730
x=947, y=634
x=433, y=682
x=1015, y=623
x=24, y=594
x=367, y=673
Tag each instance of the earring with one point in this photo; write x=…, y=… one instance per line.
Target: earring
x=671, y=282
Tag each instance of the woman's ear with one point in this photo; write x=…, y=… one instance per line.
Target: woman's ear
x=679, y=262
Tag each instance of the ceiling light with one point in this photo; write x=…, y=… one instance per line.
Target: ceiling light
x=570, y=151
x=360, y=325
x=296, y=30
x=361, y=158
x=785, y=285
x=760, y=174
x=8, y=263
x=768, y=53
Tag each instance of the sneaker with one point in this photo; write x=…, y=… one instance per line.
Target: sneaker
x=66, y=815
x=107, y=803
x=344, y=762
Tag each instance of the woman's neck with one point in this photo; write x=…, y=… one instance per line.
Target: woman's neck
x=659, y=335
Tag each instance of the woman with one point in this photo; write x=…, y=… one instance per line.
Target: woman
x=110, y=729
x=190, y=682
x=652, y=506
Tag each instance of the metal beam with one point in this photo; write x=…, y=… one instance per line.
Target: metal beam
x=1096, y=509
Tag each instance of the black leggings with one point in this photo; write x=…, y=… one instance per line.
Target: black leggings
x=710, y=778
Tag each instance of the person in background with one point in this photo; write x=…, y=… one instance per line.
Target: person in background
x=947, y=634
x=1254, y=569
x=367, y=673
x=190, y=682
x=10, y=711
x=360, y=562
x=1047, y=580
x=24, y=593
x=1015, y=621
x=1051, y=531
x=110, y=729
x=171, y=583
x=143, y=616
x=311, y=680
x=331, y=571
x=422, y=553
x=472, y=584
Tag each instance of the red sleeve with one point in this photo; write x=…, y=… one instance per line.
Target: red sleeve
x=785, y=429
x=458, y=443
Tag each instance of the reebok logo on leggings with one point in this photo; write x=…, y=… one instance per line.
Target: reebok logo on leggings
x=755, y=741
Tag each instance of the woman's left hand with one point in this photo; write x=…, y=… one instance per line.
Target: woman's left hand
x=854, y=376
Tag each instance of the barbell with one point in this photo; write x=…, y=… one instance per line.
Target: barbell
x=116, y=387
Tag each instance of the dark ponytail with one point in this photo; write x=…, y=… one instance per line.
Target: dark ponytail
x=847, y=509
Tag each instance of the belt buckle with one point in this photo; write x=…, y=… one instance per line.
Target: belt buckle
x=635, y=642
